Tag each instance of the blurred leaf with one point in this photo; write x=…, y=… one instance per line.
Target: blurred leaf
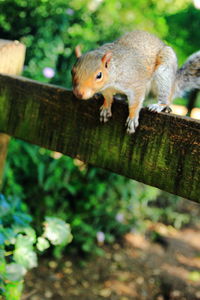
x=23, y=253
x=4, y=205
x=15, y=272
x=24, y=241
x=2, y=263
x=21, y=218
x=13, y=290
x=42, y=244
x=2, y=238
x=41, y=173
x=30, y=232
x=8, y=234
x=57, y=231
x=25, y=257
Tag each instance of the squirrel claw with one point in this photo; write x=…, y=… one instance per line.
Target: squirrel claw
x=105, y=114
x=158, y=108
x=132, y=124
x=167, y=109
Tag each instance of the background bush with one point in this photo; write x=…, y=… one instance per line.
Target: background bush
x=97, y=204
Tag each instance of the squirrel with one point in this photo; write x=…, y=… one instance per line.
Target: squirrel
x=133, y=65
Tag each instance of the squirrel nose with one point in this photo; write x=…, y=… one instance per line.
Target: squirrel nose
x=77, y=93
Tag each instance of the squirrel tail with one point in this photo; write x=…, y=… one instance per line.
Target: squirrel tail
x=188, y=76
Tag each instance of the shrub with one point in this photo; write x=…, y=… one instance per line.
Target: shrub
x=19, y=242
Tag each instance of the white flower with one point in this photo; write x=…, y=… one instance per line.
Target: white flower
x=69, y=12
x=119, y=217
x=48, y=72
x=100, y=237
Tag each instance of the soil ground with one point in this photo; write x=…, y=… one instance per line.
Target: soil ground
x=137, y=268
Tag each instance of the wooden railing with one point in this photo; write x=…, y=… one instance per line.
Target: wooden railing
x=164, y=151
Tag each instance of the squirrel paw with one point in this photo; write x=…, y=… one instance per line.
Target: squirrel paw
x=158, y=108
x=132, y=124
x=105, y=114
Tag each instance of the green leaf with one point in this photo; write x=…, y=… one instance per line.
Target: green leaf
x=13, y=290
x=2, y=263
x=25, y=257
x=42, y=244
x=15, y=272
x=23, y=253
x=5, y=206
x=10, y=235
x=57, y=231
x=41, y=173
x=31, y=234
x=23, y=241
x=2, y=238
x=21, y=218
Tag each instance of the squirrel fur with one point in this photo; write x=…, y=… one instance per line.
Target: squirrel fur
x=133, y=65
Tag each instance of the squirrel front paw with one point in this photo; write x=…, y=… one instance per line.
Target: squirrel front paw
x=105, y=114
x=159, y=107
x=132, y=124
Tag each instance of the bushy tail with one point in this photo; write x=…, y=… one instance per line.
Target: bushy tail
x=188, y=76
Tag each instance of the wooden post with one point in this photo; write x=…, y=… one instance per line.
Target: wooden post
x=12, y=54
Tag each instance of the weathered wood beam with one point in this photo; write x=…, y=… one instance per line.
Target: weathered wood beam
x=12, y=55
x=164, y=152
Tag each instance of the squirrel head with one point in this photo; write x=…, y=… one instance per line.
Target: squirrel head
x=90, y=73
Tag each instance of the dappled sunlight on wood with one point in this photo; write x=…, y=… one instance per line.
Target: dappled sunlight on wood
x=179, y=109
x=182, y=111
x=56, y=155
x=195, y=113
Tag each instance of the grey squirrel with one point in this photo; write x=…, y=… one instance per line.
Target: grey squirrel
x=133, y=65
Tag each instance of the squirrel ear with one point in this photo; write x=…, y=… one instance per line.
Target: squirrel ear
x=78, y=52
x=106, y=58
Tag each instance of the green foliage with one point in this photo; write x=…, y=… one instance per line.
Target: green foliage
x=185, y=38
x=18, y=241
x=92, y=200
x=98, y=204
x=52, y=29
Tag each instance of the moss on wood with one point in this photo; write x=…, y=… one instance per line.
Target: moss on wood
x=164, y=152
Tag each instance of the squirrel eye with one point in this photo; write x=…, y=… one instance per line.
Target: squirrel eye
x=99, y=75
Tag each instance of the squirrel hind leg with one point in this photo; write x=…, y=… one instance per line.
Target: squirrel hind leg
x=156, y=107
x=164, y=79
